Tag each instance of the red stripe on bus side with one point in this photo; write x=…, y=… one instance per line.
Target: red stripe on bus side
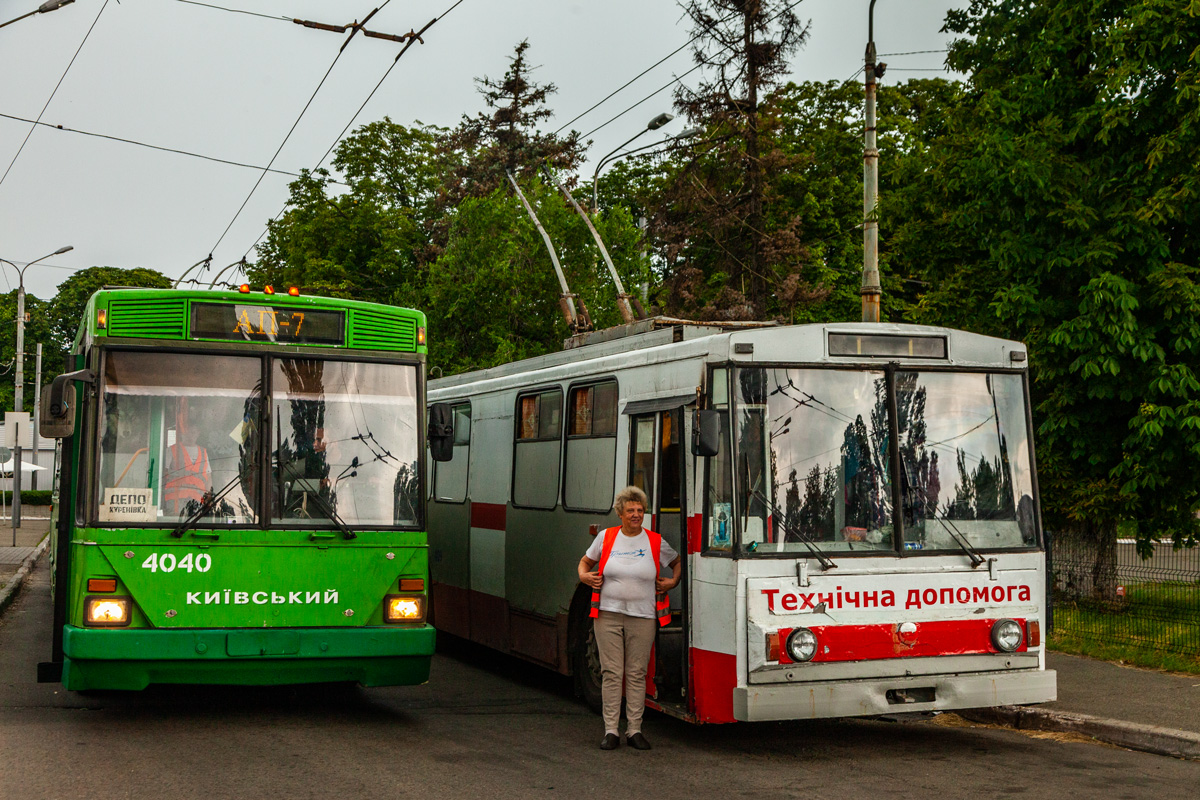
x=871, y=642
x=488, y=515
x=694, y=531
x=713, y=679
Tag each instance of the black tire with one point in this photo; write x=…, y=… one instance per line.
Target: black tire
x=585, y=664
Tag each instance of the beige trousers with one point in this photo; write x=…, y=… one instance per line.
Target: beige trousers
x=624, y=643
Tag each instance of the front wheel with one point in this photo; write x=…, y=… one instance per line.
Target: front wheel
x=585, y=664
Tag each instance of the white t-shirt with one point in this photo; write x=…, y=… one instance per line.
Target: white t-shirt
x=629, y=575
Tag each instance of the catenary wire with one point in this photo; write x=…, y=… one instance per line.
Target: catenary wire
x=353, y=118
x=86, y=36
x=123, y=140
x=288, y=136
x=235, y=10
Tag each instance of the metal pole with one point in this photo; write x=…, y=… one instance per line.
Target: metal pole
x=871, y=290
x=16, y=481
x=622, y=296
x=568, y=299
x=37, y=410
x=19, y=389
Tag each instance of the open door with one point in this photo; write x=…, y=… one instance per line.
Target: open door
x=656, y=467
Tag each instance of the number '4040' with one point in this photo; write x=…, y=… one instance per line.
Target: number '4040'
x=166, y=562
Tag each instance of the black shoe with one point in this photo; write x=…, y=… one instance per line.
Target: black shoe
x=611, y=742
x=637, y=741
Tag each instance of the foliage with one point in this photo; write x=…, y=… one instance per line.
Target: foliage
x=1059, y=208
x=728, y=253
x=37, y=331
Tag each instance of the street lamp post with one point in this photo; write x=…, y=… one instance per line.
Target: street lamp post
x=652, y=125
x=19, y=388
x=49, y=5
x=871, y=289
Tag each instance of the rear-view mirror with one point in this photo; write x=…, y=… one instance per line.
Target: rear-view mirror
x=706, y=433
x=441, y=432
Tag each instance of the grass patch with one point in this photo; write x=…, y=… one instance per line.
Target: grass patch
x=1156, y=625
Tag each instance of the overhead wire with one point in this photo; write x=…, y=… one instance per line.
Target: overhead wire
x=50, y=99
x=235, y=10
x=354, y=117
x=147, y=145
x=291, y=130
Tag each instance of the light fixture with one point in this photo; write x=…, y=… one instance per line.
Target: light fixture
x=106, y=612
x=801, y=644
x=1007, y=635
x=403, y=608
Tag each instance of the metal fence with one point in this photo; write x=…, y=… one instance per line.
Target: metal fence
x=1151, y=604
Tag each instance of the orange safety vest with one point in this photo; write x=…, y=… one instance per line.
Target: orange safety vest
x=190, y=481
x=661, y=604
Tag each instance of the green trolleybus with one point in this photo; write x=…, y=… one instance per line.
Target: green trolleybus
x=240, y=491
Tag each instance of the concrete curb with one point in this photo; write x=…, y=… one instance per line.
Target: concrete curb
x=1131, y=735
x=10, y=590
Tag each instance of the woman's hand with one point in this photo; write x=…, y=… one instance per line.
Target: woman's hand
x=665, y=584
x=592, y=579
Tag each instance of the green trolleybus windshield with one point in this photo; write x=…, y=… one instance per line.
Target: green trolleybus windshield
x=813, y=460
x=181, y=438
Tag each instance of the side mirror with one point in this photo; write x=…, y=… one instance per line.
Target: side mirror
x=441, y=432
x=56, y=416
x=706, y=433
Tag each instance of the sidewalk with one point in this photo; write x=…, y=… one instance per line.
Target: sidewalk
x=16, y=561
x=1155, y=712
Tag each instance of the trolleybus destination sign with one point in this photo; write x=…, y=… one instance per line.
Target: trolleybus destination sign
x=258, y=323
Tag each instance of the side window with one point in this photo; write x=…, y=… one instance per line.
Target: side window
x=536, y=449
x=450, y=477
x=591, y=448
x=718, y=497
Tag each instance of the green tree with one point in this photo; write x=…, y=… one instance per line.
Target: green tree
x=37, y=331
x=1062, y=193
x=64, y=312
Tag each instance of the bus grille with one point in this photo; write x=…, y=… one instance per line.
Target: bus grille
x=147, y=319
x=374, y=331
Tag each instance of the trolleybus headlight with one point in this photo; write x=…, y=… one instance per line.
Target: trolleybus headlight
x=403, y=608
x=802, y=644
x=1007, y=635
x=106, y=612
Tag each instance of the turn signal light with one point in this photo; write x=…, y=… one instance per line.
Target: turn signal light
x=773, y=646
x=1033, y=633
x=106, y=612
x=412, y=584
x=294, y=291
x=401, y=608
x=102, y=584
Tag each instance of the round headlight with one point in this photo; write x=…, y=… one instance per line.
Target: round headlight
x=802, y=644
x=1007, y=635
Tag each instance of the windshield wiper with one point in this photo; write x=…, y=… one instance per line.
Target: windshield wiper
x=789, y=527
x=332, y=515
x=205, y=508
x=976, y=559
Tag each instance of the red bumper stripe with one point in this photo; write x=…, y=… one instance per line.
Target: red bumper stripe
x=868, y=642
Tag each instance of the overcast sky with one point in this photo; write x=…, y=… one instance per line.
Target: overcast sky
x=210, y=81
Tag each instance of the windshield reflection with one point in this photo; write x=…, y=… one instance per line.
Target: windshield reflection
x=814, y=461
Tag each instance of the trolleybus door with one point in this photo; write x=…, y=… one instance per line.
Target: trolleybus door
x=656, y=467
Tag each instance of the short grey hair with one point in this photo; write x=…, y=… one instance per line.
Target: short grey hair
x=630, y=494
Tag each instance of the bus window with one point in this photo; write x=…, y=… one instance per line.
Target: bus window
x=182, y=427
x=345, y=447
x=641, y=457
x=591, y=461
x=450, y=477
x=536, y=449
x=813, y=460
x=719, y=481
x=964, y=452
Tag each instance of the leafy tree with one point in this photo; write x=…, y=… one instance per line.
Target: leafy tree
x=64, y=312
x=37, y=331
x=727, y=253
x=1062, y=195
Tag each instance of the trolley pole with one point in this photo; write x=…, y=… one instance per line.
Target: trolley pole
x=871, y=290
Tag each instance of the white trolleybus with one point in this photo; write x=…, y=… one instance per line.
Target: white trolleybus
x=858, y=506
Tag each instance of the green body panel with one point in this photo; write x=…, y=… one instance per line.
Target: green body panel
x=165, y=314
x=133, y=659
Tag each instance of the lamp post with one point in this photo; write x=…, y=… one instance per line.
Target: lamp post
x=871, y=289
x=19, y=388
x=652, y=125
x=49, y=5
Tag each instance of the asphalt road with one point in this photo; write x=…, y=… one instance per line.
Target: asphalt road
x=494, y=728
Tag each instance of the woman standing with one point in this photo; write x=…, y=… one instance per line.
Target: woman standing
x=627, y=597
